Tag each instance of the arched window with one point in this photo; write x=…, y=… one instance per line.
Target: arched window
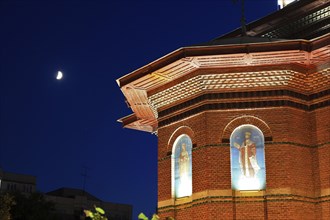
x=182, y=167
x=247, y=150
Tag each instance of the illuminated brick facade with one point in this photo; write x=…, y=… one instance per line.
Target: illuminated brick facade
x=282, y=87
x=297, y=166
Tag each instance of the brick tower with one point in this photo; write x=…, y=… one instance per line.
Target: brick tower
x=242, y=121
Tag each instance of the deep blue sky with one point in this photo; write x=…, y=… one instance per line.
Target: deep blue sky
x=53, y=129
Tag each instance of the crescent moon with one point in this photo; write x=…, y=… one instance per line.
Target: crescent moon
x=59, y=75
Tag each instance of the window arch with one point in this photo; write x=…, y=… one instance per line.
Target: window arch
x=247, y=151
x=182, y=167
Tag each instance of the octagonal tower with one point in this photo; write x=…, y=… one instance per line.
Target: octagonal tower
x=242, y=121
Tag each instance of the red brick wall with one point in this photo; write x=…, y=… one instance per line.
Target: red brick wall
x=290, y=210
x=297, y=159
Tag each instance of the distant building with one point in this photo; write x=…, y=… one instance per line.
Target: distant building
x=70, y=203
x=14, y=182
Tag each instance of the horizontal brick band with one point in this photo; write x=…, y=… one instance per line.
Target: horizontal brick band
x=235, y=95
x=243, y=105
x=246, y=199
x=168, y=156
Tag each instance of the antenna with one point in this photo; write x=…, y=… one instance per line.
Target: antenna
x=84, y=175
x=243, y=20
x=82, y=201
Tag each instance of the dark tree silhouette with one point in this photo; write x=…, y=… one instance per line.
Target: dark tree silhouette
x=6, y=203
x=31, y=207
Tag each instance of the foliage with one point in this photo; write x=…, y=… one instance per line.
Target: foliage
x=31, y=207
x=97, y=215
x=6, y=203
x=144, y=217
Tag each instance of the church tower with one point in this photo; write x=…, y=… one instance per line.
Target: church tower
x=242, y=120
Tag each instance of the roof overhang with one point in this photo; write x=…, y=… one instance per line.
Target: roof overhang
x=197, y=51
x=137, y=85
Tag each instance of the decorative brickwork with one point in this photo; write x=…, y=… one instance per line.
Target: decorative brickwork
x=246, y=119
x=181, y=130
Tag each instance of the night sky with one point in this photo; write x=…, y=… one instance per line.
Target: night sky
x=57, y=130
